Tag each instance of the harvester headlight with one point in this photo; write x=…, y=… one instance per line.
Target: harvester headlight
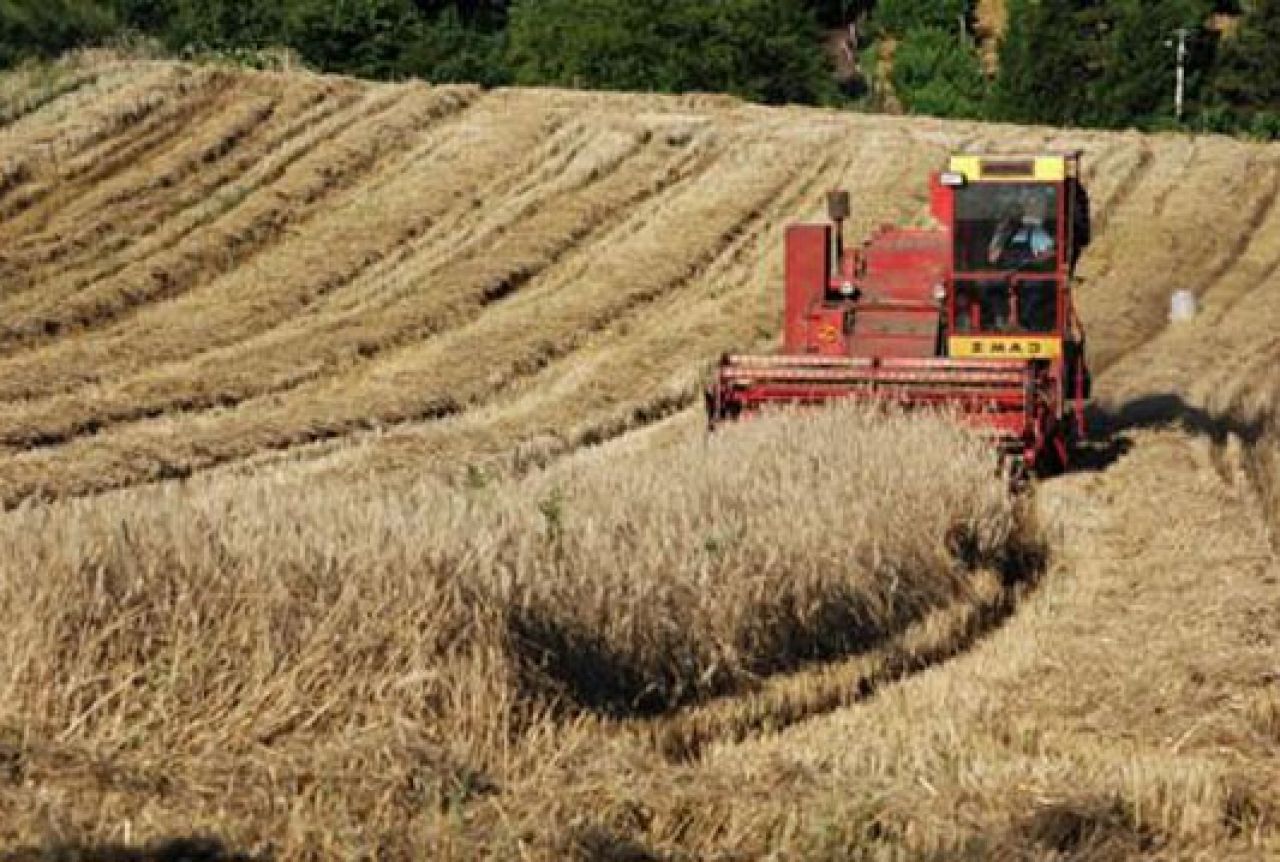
x=846, y=289
x=952, y=179
x=939, y=291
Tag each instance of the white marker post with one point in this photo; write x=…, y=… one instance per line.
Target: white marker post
x=1182, y=307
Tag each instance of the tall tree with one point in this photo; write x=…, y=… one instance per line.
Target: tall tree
x=771, y=50
x=1047, y=59
x=452, y=47
x=837, y=13
x=901, y=16
x=223, y=24
x=50, y=27
x=1247, y=79
x=768, y=50
x=369, y=38
x=1134, y=85
x=934, y=73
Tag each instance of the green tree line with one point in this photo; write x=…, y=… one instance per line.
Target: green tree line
x=766, y=50
x=1107, y=63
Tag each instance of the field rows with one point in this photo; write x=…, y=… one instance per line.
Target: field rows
x=281, y=357
x=310, y=259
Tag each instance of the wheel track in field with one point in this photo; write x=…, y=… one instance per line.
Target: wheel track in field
x=221, y=149
x=160, y=238
x=346, y=288
x=233, y=323
x=33, y=98
x=248, y=172
x=260, y=218
x=36, y=142
x=1264, y=219
x=305, y=340
x=190, y=210
x=1141, y=257
x=565, y=382
x=221, y=378
x=701, y=274
x=499, y=207
x=83, y=230
x=222, y=202
x=132, y=134
x=1121, y=191
x=303, y=196
x=325, y=412
x=1259, y=202
x=87, y=116
x=1114, y=197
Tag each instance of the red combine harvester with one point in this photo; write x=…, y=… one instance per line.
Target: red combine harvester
x=975, y=314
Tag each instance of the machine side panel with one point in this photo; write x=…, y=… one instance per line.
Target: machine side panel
x=898, y=313
x=808, y=272
x=887, y=332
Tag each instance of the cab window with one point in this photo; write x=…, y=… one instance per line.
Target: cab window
x=1006, y=306
x=1006, y=227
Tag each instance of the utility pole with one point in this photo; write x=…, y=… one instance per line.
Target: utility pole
x=1181, y=76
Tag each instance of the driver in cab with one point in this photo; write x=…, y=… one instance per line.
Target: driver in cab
x=1021, y=238
x=1020, y=241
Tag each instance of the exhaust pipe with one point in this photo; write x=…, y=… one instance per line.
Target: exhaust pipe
x=838, y=209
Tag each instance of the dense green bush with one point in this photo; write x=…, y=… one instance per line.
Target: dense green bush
x=1044, y=65
x=767, y=50
x=450, y=48
x=1246, y=83
x=1061, y=62
x=370, y=38
x=1106, y=63
x=934, y=73
x=900, y=17
x=49, y=27
x=1134, y=81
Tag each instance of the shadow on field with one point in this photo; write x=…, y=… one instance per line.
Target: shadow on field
x=572, y=667
x=568, y=664
x=175, y=850
x=1109, y=440
x=932, y=640
x=1097, y=829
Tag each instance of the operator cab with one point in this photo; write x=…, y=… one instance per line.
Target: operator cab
x=1016, y=228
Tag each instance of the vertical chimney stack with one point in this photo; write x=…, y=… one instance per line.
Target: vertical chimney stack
x=838, y=212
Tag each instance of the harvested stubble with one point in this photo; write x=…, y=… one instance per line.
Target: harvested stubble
x=205, y=266
x=351, y=662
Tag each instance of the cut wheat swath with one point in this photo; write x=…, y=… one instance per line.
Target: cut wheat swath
x=231, y=635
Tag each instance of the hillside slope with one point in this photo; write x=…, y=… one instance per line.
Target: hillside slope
x=271, y=285
x=203, y=265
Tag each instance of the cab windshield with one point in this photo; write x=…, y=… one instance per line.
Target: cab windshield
x=1006, y=227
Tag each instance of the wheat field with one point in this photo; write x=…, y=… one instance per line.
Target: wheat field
x=357, y=505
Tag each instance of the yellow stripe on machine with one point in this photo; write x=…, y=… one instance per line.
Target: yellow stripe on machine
x=969, y=166
x=1051, y=170
x=968, y=347
x=1010, y=169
